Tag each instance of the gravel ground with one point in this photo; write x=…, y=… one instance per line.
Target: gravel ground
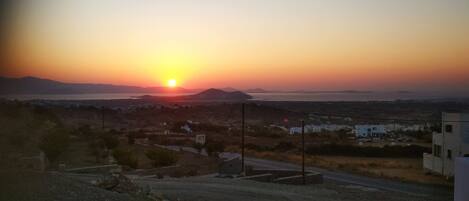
x=29, y=186
x=214, y=189
x=76, y=187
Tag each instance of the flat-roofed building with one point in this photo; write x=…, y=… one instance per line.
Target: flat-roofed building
x=452, y=142
x=370, y=130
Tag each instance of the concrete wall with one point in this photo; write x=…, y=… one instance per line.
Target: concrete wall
x=311, y=178
x=461, y=179
x=456, y=142
x=96, y=169
x=260, y=177
x=275, y=172
x=369, y=130
x=281, y=176
x=230, y=167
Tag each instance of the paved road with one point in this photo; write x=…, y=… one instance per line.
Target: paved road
x=217, y=189
x=412, y=189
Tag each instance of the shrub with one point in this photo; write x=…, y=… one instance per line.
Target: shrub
x=109, y=140
x=54, y=143
x=130, y=139
x=84, y=131
x=198, y=146
x=18, y=139
x=258, y=131
x=214, y=147
x=255, y=147
x=162, y=158
x=284, y=146
x=412, y=151
x=125, y=157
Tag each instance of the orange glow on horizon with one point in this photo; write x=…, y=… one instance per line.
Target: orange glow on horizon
x=242, y=44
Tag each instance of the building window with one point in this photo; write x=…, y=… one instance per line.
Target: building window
x=436, y=150
x=448, y=128
x=449, y=155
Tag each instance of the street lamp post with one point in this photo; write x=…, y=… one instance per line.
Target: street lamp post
x=303, y=150
x=242, y=136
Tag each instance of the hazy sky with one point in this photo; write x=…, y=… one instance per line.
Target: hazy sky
x=273, y=44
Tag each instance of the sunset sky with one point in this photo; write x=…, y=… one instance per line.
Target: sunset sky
x=272, y=44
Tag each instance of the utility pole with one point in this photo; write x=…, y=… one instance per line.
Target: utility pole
x=303, y=150
x=242, y=137
x=102, y=117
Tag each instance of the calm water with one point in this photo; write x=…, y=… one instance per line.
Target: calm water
x=94, y=96
x=373, y=96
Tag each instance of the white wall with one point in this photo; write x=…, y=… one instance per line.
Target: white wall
x=367, y=130
x=461, y=179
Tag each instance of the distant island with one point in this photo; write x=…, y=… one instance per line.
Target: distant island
x=38, y=86
x=207, y=95
x=256, y=90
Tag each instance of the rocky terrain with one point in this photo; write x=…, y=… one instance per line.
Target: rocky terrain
x=217, y=189
x=27, y=186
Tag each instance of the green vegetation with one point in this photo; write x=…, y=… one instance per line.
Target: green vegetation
x=125, y=157
x=263, y=131
x=412, y=151
x=109, y=140
x=198, y=146
x=162, y=158
x=280, y=146
x=17, y=139
x=214, y=147
x=23, y=125
x=197, y=127
x=284, y=146
x=54, y=143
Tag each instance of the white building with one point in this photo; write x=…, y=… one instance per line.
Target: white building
x=295, y=130
x=369, y=130
x=461, y=179
x=319, y=128
x=186, y=128
x=200, y=139
x=452, y=142
x=405, y=127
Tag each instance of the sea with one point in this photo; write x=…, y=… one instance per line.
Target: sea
x=271, y=96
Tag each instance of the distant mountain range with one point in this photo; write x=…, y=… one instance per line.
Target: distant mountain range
x=33, y=85
x=207, y=95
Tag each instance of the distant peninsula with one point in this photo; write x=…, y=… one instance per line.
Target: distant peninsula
x=34, y=85
x=207, y=95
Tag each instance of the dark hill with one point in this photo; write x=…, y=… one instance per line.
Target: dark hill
x=217, y=94
x=207, y=95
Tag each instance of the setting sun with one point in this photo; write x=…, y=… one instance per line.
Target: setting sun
x=172, y=83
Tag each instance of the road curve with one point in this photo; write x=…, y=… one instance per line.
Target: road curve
x=384, y=184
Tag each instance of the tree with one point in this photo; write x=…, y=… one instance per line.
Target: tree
x=214, y=147
x=198, y=146
x=85, y=131
x=109, y=140
x=284, y=146
x=130, y=138
x=18, y=139
x=54, y=143
x=125, y=157
x=162, y=157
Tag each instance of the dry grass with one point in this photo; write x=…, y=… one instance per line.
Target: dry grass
x=202, y=165
x=402, y=169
